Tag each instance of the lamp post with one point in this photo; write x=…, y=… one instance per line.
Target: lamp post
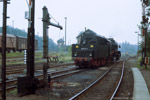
x=65, y=29
x=137, y=42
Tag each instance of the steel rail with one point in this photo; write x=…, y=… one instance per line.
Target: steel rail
x=22, y=66
x=122, y=73
x=60, y=75
x=53, y=72
x=56, y=72
x=20, y=70
x=84, y=90
x=54, y=76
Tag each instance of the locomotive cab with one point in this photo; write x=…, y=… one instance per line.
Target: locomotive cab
x=86, y=44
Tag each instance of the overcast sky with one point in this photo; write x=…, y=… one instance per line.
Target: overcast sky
x=109, y=18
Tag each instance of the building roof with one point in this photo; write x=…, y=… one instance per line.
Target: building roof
x=89, y=32
x=60, y=41
x=11, y=35
x=86, y=32
x=8, y=35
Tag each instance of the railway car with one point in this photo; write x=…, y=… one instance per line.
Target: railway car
x=93, y=50
x=10, y=42
x=16, y=43
x=21, y=43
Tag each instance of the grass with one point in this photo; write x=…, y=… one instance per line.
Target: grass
x=143, y=66
x=12, y=54
x=20, y=54
x=63, y=57
x=13, y=92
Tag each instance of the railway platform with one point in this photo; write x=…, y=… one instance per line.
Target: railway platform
x=140, y=88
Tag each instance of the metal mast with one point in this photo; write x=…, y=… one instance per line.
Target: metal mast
x=27, y=85
x=30, y=43
x=145, y=24
x=65, y=29
x=4, y=30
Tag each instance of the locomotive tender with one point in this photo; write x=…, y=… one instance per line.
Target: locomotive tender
x=93, y=50
x=15, y=43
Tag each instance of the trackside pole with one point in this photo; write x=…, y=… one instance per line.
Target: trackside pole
x=28, y=84
x=46, y=22
x=4, y=29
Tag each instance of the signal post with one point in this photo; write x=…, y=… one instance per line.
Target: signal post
x=22, y=87
x=145, y=25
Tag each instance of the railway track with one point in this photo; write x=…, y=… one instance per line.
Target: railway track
x=12, y=84
x=121, y=77
x=105, y=87
x=20, y=69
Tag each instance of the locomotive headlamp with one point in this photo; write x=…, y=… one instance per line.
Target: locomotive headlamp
x=77, y=46
x=91, y=46
x=75, y=54
x=90, y=54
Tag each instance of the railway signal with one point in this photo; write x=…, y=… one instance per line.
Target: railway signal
x=29, y=79
x=145, y=25
x=146, y=2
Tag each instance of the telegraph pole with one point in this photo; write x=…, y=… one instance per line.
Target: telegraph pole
x=4, y=29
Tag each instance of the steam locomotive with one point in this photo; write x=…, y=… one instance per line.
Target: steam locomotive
x=93, y=50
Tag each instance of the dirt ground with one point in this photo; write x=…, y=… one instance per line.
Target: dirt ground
x=146, y=75
x=125, y=91
x=145, y=72
x=65, y=87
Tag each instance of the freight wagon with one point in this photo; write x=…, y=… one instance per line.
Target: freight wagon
x=15, y=43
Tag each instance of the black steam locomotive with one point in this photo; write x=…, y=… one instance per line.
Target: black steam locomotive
x=93, y=50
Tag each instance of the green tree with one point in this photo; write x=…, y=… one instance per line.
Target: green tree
x=22, y=33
